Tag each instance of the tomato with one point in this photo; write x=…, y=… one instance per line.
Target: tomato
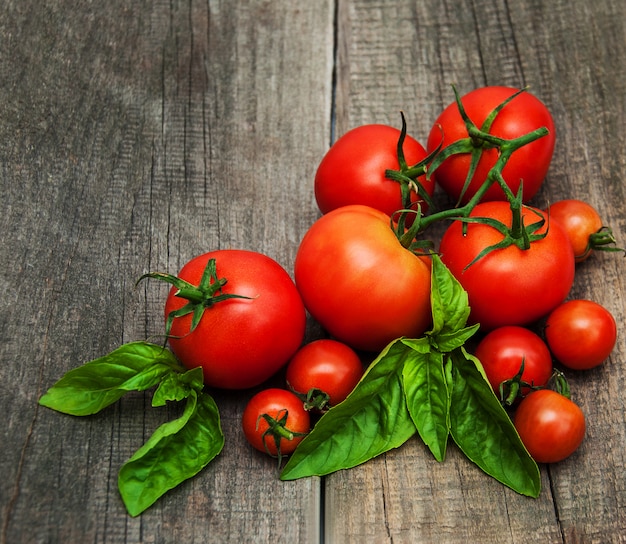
x=325, y=366
x=508, y=286
x=353, y=170
x=580, y=220
x=581, y=334
x=238, y=342
x=502, y=351
x=359, y=282
x=550, y=425
x=275, y=421
x=521, y=116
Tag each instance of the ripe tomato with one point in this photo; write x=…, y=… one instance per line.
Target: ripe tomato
x=239, y=342
x=522, y=115
x=359, y=282
x=353, y=170
x=325, y=366
x=509, y=286
x=550, y=425
x=502, y=351
x=275, y=421
x=579, y=220
x=581, y=334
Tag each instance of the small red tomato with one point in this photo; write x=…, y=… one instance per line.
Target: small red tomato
x=275, y=421
x=579, y=220
x=581, y=334
x=550, y=425
x=325, y=366
x=502, y=351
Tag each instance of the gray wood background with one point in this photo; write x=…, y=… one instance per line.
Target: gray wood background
x=135, y=135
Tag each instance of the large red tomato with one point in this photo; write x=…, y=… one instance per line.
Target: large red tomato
x=509, y=286
x=239, y=342
x=359, y=282
x=524, y=114
x=353, y=170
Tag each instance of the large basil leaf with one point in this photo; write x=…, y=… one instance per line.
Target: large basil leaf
x=427, y=397
x=372, y=420
x=483, y=430
x=175, y=452
x=89, y=388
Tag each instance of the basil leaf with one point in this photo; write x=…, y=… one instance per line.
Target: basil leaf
x=176, y=386
x=427, y=399
x=175, y=452
x=372, y=420
x=483, y=430
x=89, y=388
x=449, y=304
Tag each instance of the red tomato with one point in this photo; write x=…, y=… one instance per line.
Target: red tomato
x=359, y=282
x=327, y=366
x=550, y=425
x=581, y=334
x=522, y=115
x=275, y=421
x=579, y=220
x=509, y=286
x=239, y=342
x=502, y=351
x=353, y=170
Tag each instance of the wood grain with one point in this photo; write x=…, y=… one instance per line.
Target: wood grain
x=134, y=135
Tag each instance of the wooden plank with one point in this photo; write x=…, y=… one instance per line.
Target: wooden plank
x=403, y=56
x=133, y=137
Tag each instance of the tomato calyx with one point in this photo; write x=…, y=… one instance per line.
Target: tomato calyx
x=602, y=240
x=407, y=175
x=200, y=297
x=314, y=399
x=277, y=431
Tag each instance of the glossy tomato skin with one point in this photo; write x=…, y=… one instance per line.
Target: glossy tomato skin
x=522, y=115
x=276, y=403
x=358, y=281
x=240, y=342
x=581, y=334
x=502, y=351
x=353, y=170
x=509, y=286
x=579, y=220
x=327, y=365
x=551, y=426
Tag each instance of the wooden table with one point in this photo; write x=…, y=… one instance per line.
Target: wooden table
x=135, y=135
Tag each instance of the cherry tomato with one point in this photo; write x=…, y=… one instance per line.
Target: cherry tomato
x=580, y=220
x=324, y=366
x=275, y=421
x=521, y=116
x=353, y=170
x=581, y=334
x=550, y=425
x=502, y=351
x=359, y=282
x=239, y=342
x=508, y=286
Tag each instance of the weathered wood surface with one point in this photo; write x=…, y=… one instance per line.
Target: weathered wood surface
x=134, y=135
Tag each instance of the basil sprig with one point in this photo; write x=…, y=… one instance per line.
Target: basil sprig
x=178, y=449
x=430, y=386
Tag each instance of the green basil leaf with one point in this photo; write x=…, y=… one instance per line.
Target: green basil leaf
x=175, y=452
x=449, y=302
x=427, y=399
x=483, y=430
x=89, y=388
x=176, y=386
x=372, y=420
